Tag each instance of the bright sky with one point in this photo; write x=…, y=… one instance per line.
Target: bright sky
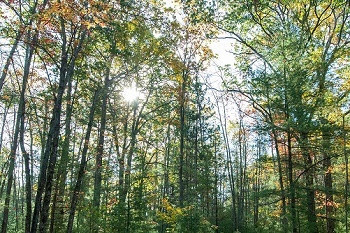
x=221, y=47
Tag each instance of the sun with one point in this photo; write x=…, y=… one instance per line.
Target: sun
x=131, y=94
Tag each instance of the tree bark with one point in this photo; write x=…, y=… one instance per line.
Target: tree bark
x=101, y=139
x=82, y=166
x=327, y=165
x=48, y=163
x=310, y=192
x=182, y=137
x=291, y=183
x=134, y=130
x=57, y=212
x=346, y=176
x=280, y=179
x=20, y=112
x=9, y=59
x=28, y=184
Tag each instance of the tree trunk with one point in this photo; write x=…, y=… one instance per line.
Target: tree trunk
x=182, y=138
x=82, y=166
x=291, y=183
x=280, y=179
x=28, y=184
x=47, y=166
x=310, y=192
x=128, y=164
x=346, y=176
x=216, y=193
x=58, y=202
x=7, y=108
x=20, y=112
x=99, y=155
x=327, y=165
x=257, y=185
x=9, y=59
x=223, y=125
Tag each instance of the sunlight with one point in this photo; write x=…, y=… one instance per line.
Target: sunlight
x=131, y=94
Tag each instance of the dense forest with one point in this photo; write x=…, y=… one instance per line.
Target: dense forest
x=191, y=116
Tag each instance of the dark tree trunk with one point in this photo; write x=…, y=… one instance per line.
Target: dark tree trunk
x=327, y=166
x=20, y=112
x=346, y=174
x=99, y=155
x=28, y=184
x=7, y=108
x=309, y=176
x=291, y=183
x=216, y=193
x=82, y=167
x=48, y=162
x=57, y=212
x=182, y=99
x=9, y=59
x=280, y=179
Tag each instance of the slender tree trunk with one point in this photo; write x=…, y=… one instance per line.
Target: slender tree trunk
x=346, y=176
x=216, y=187
x=257, y=185
x=121, y=161
x=47, y=167
x=182, y=138
x=20, y=112
x=290, y=154
x=50, y=158
x=229, y=162
x=7, y=107
x=99, y=155
x=82, y=166
x=58, y=202
x=280, y=179
x=240, y=201
x=310, y=192
x=128, y=164
x=4, y=171
x=9, y=59
x=327, y=165
x=6, y=163
x=28, y=184
x=165, y=190
x=15, y=200
x=291, y=183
